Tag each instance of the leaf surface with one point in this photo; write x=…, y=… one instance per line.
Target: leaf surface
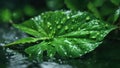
x=25, y=40
x=66, y=33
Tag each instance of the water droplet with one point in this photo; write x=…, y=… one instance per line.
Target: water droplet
x=61, y=22
x=87, y=18
x=50, y=27
x=68, y=17
x=57, y=22
x=66, y=27
x=65, y=53
x=97, y=33
x=80, y=54
x=60, y=61
x=59, y=26
x=51, y=55
x=48, y=24
x=72, y=28
x=73, y=20
x=36, y=18
x=78, y=28
x=40, y=19
x=16, y=37
x=32, y=18
x=2, y=44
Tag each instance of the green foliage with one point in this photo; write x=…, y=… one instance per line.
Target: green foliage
x=64, y=33
x=6, y=15
x=102, y=9
x=116, y=15
x=29, y=10
x=55, y=4
x=93, y=9
x=76, y=4
x=116, y=2
x=22, y=10
x=26, y=40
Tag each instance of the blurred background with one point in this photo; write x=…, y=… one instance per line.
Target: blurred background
x=20, y=10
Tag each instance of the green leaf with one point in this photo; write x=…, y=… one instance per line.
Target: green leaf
x=74, y=47
x=65, y=33
x=31, y=27
x=25, y=40
x=28, y=30
x=37, y=50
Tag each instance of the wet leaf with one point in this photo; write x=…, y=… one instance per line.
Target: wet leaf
x=74, y=47
x=65, y=33
x=25, y=40
x=37, y=50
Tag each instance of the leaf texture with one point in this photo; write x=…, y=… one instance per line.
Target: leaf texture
x=65, y=33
